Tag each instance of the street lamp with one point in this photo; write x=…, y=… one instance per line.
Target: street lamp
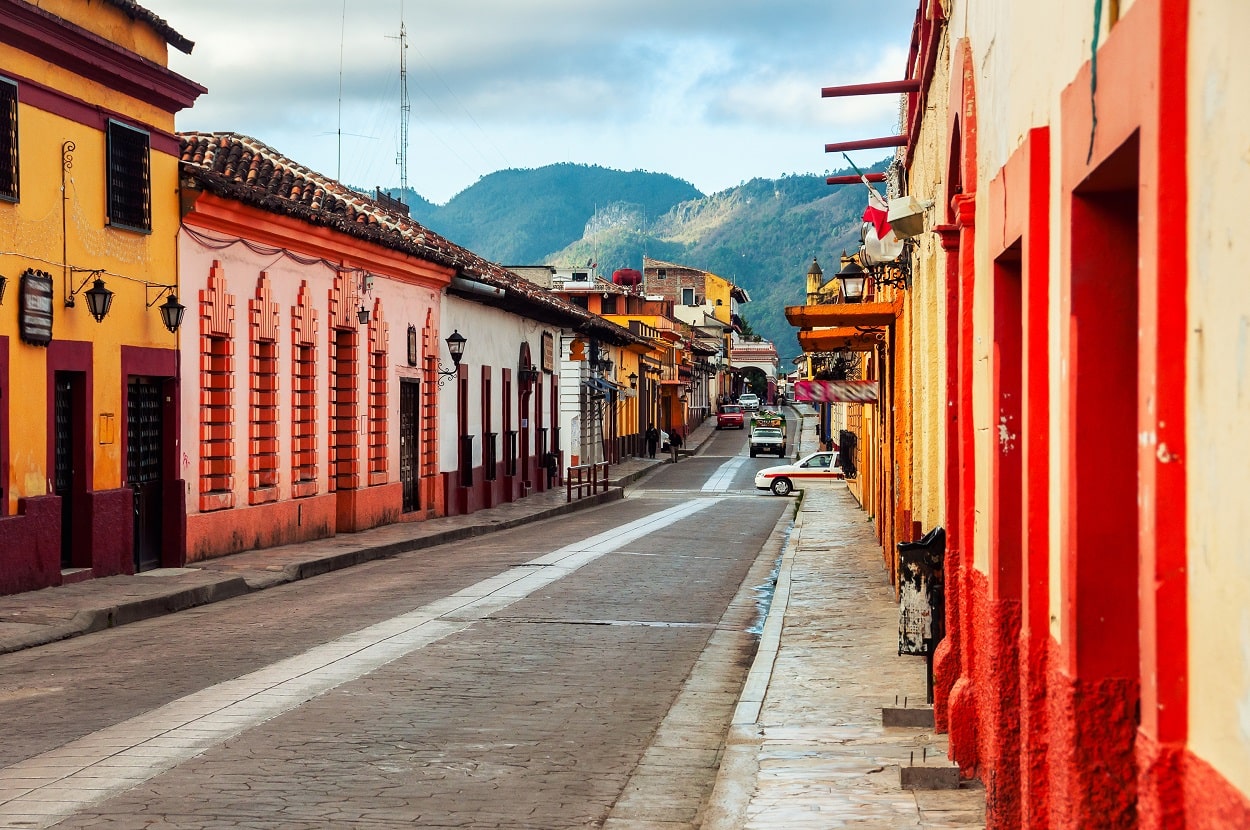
x=171, y=313
x=852, y=277
x=99, y=300
x=633, y=381
x=455, y=345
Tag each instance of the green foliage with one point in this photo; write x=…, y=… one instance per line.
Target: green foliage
x=518, y=217
x=761, y=235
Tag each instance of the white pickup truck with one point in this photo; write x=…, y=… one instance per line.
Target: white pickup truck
x=768, y=439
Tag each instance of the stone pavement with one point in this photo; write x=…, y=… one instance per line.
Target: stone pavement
x=807, y=748
x=38, y=617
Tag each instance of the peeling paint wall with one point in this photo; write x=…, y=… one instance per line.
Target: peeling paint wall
x=1218, y=463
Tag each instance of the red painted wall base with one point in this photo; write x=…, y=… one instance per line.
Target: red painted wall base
x=224, y=532
x=30, y=553
x=1093, y=725
x=1211, y=802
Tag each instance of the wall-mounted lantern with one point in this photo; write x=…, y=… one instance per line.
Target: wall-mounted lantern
x=852, y=277
x=99, y=300
x=455, y=345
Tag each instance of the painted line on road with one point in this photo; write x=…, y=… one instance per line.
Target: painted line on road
x=46, y=789
x=724, y=475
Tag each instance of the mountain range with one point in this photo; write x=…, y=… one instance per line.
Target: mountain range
x=761, y=234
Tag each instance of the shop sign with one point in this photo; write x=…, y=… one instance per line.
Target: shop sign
x=34, y=314
x=548, y=352
x=836, y=391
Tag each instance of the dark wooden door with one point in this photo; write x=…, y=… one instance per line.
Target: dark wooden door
x=144, y=471
x=68, y=448
x=409, y=422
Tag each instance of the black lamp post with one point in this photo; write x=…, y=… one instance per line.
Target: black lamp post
x=171, y=313
x=362, y=315
x=99, y=300
x=633, y=381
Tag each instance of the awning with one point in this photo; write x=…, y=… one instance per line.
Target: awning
x=828, y=315
x=840, y=340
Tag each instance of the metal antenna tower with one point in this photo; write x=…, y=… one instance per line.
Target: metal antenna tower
x=404, y=106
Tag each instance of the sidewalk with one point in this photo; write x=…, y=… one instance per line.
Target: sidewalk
x=807, y=748
x=39, y=617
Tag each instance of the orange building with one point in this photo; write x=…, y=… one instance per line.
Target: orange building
x=89, y=481
x=1069, y=371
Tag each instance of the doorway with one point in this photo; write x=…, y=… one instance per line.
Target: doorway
x=144, y=470
x=69, y=455
x=409, y=421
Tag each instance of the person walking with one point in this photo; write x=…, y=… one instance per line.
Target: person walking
x=652, y=436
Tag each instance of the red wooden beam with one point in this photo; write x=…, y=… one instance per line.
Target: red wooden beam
x=883, y=87
x=872, y=177
x=867, y=144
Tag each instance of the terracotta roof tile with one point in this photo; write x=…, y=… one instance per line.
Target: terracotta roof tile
x=235, y=166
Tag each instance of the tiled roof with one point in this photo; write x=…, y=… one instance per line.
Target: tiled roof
x=240, y=168
x=137, y=12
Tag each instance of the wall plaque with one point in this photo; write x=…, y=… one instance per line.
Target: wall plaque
x=34, y=314
x=549, y=352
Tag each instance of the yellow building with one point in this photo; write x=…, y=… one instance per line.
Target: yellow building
x=88, y=222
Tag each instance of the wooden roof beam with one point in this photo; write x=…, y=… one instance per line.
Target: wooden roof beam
x=867, y=144
x=880, y=88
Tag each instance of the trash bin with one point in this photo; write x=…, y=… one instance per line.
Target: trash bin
x=922, y=597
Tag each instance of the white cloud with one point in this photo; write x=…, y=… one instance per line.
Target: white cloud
x=711, y=91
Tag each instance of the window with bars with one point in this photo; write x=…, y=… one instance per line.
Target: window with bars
x=8, y=140
x=129, y=178
x=304, y=414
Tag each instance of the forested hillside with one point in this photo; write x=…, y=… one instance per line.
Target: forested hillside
x=762, y=234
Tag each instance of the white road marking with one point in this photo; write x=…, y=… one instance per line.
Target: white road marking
x=41, y=791
x=723, y=477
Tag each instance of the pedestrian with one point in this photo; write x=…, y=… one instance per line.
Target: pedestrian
x=551, y=462
x=674, y=441
x=652, y=436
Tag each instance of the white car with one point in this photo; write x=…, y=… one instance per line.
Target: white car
x=749, y=401
x=819, y=466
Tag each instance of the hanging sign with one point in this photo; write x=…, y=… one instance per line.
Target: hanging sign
x=34, y=316
x=836, y=391
x=549, y=352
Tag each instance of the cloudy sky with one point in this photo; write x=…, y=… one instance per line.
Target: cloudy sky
x=711, y=91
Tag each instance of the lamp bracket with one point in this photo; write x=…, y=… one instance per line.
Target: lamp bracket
x=445, y=375
x=90, y=272
x=161, y=291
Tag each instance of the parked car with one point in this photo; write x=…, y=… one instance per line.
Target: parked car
x=730, y=417
x=782, y=479
x=749, y=401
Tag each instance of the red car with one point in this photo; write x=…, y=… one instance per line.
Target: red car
x=730, y=417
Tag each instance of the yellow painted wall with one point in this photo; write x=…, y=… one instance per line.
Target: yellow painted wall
x=112, y=24
x=926, y=303
x=1218, y=464
x=717, y=288
x=43, y=231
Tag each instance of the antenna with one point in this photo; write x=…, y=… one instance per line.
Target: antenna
x=338, y=170
x=404, y=106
